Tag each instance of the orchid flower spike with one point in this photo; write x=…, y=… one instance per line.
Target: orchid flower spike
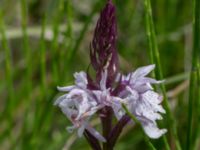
x=110, y=89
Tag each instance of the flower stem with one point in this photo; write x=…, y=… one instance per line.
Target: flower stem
x=94, y=143
x=107, y=126
x=117, y=129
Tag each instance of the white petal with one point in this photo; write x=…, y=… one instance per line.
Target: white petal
x=69, y=112
x=142, y=71
x=75, y=94
x=152, y=130
x=81, y=79
x=142, y=88
x=143, y=80
x=151, y=97
x=95, y=109
x=83, y=108
x=60, y=99
x=134, y=93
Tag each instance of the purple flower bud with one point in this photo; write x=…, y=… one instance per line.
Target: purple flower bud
x=103, y=52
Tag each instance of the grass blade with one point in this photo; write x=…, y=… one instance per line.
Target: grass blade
x=54, y=46
x=155, y=59
x=27, y=50
x=8, y=64
x=194, y=96
x=72, y=53
x=9, y=80
x=28, y=71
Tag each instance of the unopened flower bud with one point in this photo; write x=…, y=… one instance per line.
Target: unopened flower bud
x=103, y=53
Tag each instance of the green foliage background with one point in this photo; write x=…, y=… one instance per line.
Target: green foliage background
x=43, y=42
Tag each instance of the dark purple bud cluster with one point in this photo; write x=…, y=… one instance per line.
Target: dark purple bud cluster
x=103, y=52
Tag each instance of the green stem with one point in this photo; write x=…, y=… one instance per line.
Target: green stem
x=8, y=63
x=43, y=58
x=107, y=126
x=194, y=97
x=43, y=83
x=72, y=53
x=177, y=78
x=9, y=78
x=68, y=39
x=155, y=58
x=54, y=46
x=27, y=50
x=28, y=70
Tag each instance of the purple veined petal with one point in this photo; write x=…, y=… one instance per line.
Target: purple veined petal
x=153, y=131
x=65, y=88
x=152, y=97
x=95, y=133
x=146, y=112
x=81, y=79
x=141, y=72
x=141, y=109
x=150, y=105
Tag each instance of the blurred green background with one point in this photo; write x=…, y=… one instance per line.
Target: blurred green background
x=43, y=42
